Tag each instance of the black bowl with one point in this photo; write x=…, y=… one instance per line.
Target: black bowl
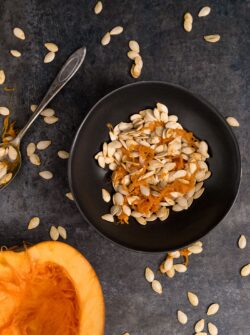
x=195, y=114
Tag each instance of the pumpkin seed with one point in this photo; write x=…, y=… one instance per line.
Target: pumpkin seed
x=98, y=7
x=52, y=47
x=213, y=309
x=188, y=22
x=63, y=154
x=42, y=145
x=62, y=232
x=105, y=195
x=15, y=53
x=144, y=190
x=54, y=234
x=49, y=57
x=182, y=317
x=46, y=175
x=232, y=121
x=6, y=178
x=193, y=299
x=180, y=267
x=35, y=159
x=34, y=222
x=149, y=275
x=31, y=148
x=156, y=286
x=108, y=217
x=19, y=33
x=212, y=329
x=204, y=11
x=132, y=54
x=199, y=326
x=48, y=112
x=168, y=264
x=4, y=111
x=242, y=242
x=106, y=39
x=33, y=108
x=195, y=249
x=50, y=119
x=12, y=153
x=69, y=195
x=116, y=30
x=170, y=273
x=2, y=77
x=175, y=254
x=134, y=46
x=212, y=38
x=245, y=271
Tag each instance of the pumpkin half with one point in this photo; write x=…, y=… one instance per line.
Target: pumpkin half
x=49, y=289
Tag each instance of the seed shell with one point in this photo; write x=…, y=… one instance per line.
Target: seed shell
x=156, y=286
x=182, y=317
x=213, y=309
x=34, y=222
x=46, y=175
x=19, y=33
x=149, y=275
x=193, y=299
x=51, y=47
x=54, y=234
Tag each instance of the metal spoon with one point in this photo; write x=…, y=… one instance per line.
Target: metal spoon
x=67, y=72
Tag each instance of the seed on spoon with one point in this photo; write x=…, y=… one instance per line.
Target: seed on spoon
x=42, y=145
x=31, y=148
x=34, y=159
x=4, y=111
x=63, y=154
x=6, y=178
x=46, y=175
x=12, y=153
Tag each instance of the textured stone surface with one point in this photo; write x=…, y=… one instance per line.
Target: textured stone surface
x=220, y=72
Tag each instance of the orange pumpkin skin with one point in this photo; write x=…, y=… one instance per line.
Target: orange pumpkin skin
x=49, y=289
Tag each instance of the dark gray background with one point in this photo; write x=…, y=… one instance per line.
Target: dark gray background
x=219, y=72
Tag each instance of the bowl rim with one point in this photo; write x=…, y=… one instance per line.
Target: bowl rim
x=196, y=96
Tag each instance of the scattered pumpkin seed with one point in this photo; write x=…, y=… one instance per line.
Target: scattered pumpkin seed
x=50, y=119
x=35, y=159
x=49, y=57
x=106, y=39
x=2, y=77
x=19, y=33
x=199, y=326
x=33, y=108
x=42, y=145
x=4, y=111
x=204, y=11
x=149, y=275
x=156, y=286
x=242, y=242
x=63, y=154
x=69, y=195
x=51, y=47
x=54, y=234
x=46, y=175
x=15, y=53
x=62, y=232
x=182, y=317
x=98, y=7
x=116, y=30
x=193, y=299
x=48, y=112
x=34, y=222
x=232, y=121
x=245, y=271
x=195, y=249
x=213, y=330
x=213, y=309
x=134, y=46
x=31, y=148
x=188, y=22
x=212, y=38
x=180, y=267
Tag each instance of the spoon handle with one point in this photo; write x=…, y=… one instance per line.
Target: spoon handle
x=66, y=73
